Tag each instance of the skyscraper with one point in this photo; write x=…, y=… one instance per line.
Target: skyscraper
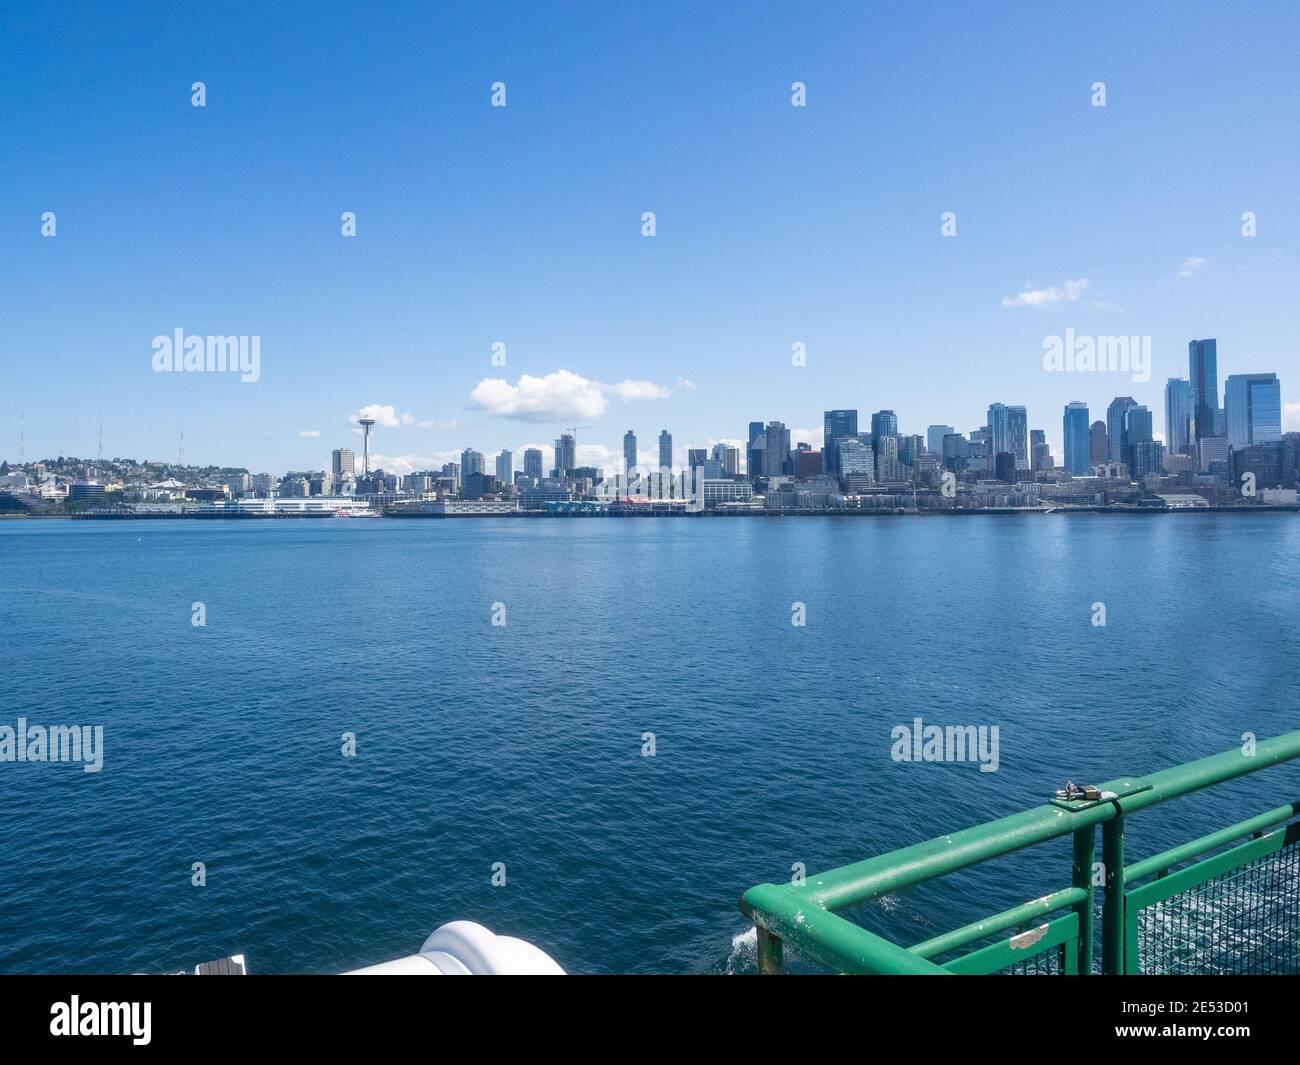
x=505, y=465
x=776, y=454
x=1078, y=459
x=1203, y=363
x=533, y=463
x=566, y=455
x=883, y=423
x=1178, y=415
x=343, y=465
x=1009, y=427
x=1138, y=429
x=934, y=438
x=629, y=453
x=728, y=458
x=1115, y=442
x=471, y=461
x=1252, y=409
x=665, y=449
x=1098, y=443
x=837, y=425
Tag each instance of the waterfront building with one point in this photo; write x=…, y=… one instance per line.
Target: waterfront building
x=855, y=457
x=837, y=425
x=1203, y=366
x=718, y=491
x=1252, y=409
x=1078, y=459
x=1178, y=415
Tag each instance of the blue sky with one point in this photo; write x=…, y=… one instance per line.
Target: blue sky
x=774, y=224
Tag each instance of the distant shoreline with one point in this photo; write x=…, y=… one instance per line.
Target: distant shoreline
x=881, y=513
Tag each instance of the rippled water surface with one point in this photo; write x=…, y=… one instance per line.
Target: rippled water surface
x=521, y=743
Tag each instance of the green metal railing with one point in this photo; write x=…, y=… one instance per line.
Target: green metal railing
x=1237, y=910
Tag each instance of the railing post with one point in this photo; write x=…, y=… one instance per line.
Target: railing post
x=1112, y=914
x=1085, y=853
x=771, y=953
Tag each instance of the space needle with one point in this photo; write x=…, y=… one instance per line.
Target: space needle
x=366, y=425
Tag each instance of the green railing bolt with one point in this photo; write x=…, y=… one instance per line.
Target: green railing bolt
x=771, y=953
x=1085, y=853
x=1112, y=912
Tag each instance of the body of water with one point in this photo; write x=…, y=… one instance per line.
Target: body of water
x=521, y=743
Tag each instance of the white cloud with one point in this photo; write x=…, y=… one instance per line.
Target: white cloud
x=557, y=397
x=1190, y=265
x=1068, y=291
x=630, y=390
x=309, y=434
x=686, y=384
x=434, y=423
x=1291, y=417
x=385, y=415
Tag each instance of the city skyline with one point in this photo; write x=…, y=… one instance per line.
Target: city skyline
x=225, y=219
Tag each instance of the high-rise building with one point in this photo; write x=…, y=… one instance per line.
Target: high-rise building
x=665, y=449
x=1098, y=443
x=837, y=425
x=1040, y=452
x=753, y=451
x=1004, y=465
x=883, y=423
x=1078, y=460
x=1203, y=366
x=934, y=438
x=1148, y=458
x=629, y=453
x=533, y=463
x=1115, y=441
x=471, y=462
x=1252, y=409
x=776, y=453
x=343, y=465
x=695, y=457
x=506, y=467
x=566, y=455
x=1009, y=427
x=1138, y=429
x=728, y=458
x=855, y=456
x=1178, y=415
